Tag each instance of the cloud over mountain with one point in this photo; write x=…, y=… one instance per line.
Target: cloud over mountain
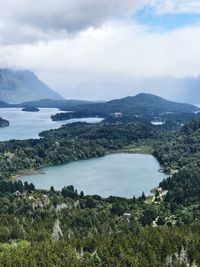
x=87, y=48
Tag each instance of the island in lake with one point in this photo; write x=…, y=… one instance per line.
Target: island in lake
x=30, y=109
x=73, y=115
x=3, y=123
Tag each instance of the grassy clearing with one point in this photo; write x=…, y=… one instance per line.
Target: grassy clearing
x=139, y=148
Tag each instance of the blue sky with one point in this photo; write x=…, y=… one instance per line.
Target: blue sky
x=165, y=22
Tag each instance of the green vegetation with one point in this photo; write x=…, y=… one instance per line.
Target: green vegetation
x=142, y=108
x=72, y=115
x=3, y=123
x=141, y=104
x=180, y=149
x=31, y=109
x=67, y=228
x=143, y=147
x=69, y=143
x=67, y=104
x=50, y=228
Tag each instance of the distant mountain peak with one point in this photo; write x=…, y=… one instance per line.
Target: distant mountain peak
x=142, y=103
x=23, y=85
x=144, y=95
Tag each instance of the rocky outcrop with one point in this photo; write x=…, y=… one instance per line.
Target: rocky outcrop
x=57, y=232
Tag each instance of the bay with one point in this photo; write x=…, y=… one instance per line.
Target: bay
x=25, y=125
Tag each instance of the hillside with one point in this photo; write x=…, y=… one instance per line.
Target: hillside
x=43, y=227
x=4, y=104
x=138, y=105
x=50, y=103
x=109, y=231
x=184, y=150
x=19, y=86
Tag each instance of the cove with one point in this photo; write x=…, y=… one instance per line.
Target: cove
x=25, y=125
x=121, y=174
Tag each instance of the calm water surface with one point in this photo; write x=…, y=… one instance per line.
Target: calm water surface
x=25, y=125
x=120, y=174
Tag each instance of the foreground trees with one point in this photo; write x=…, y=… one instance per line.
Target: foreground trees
x=160, y=230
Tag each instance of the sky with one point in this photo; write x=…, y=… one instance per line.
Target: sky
x=104, y=49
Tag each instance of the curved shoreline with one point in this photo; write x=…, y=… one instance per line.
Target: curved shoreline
x=65, y=174
x=37, y=171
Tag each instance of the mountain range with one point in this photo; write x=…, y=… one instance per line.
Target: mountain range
x=18, y=86
x=140, y=104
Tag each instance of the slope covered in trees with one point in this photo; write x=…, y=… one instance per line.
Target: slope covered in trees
x=138, y=105
x=50, y=228
x=67, y=104
x=70, y=142
x=66, y=228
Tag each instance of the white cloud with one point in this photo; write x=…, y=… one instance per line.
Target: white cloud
x=176, y=6
x=116, y=48
x=92, y=49
x=27, y=21
x=117, y=54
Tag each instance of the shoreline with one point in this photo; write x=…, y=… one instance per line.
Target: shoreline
x=38, y=171
x=27, y=172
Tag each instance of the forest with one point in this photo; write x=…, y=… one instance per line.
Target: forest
x=69, y=228
x=69, y=143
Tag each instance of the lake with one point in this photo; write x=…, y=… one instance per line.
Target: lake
x=120, y=174
x=25, y=125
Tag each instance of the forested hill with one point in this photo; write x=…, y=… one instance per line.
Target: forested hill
x=181, y=149
x=141, y=104
x=137, y=105
x=19, y=86
x=4, y=104
x=66, y=104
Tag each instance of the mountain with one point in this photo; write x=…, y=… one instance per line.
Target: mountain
x=18, y=86
x=50, y=103
x=140, y=104
x=181, y=89
x=4, y=104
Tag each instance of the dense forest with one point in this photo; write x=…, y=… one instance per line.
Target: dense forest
x=69, y=143
x=50, y=228
x=67, y=228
